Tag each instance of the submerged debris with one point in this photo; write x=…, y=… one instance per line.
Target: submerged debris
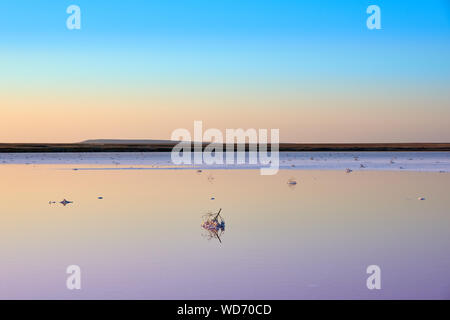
x=292, y=183
x=214, y=225
x=348, y=170
x=64, y=202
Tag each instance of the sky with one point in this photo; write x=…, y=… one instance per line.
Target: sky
x=141, y=69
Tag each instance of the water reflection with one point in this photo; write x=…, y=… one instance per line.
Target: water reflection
x=64, y=202
x=285, y=244
x=292, y=183
x=213, y=225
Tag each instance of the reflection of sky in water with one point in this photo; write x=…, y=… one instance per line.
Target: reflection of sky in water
x=142, y=240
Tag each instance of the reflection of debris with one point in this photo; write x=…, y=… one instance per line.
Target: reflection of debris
x=65, y=202
x=214, y=225
x=292, y=183
x=421, y=198
x=348, y=170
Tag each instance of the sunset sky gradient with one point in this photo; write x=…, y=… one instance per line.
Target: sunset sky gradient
x=141, y=69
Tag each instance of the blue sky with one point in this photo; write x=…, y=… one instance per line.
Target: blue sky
x=277, y=37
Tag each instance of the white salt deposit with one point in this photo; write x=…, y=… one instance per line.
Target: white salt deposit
x=404, y=161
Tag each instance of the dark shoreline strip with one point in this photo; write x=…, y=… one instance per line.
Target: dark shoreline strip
x=167, y=147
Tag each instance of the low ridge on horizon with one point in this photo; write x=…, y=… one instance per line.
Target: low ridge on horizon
x=127, y=141
x=162, y=141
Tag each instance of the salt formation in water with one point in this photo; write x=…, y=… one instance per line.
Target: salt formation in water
x=214, y=225
x=65, y=202
x=292, y=183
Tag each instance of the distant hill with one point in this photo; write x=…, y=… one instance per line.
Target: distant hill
x=126, y=141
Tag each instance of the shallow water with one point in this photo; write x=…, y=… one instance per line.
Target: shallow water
x=386, y=161
x=143, y=240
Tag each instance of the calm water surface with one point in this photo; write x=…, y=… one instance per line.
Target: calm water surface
x=144, y=239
